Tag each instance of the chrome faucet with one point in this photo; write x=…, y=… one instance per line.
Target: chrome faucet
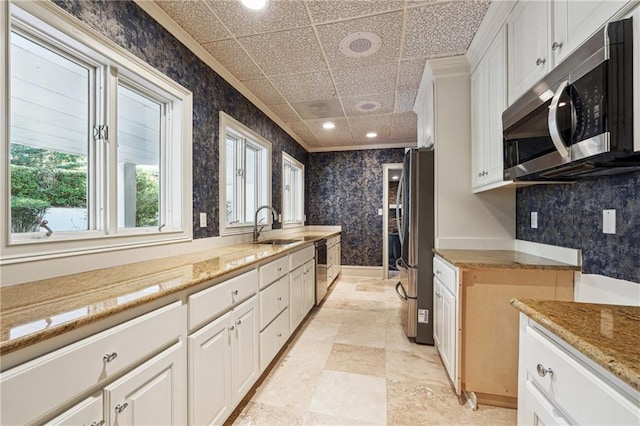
x=256, y=232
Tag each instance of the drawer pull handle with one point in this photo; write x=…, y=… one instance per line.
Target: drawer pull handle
x=121, y=407
x=279, y=298
x=279, y=334
x=231, y=328
x=540, y=61
x=438, y=272
x=556, y=45
x=234, y=292
x=543, y=371
x=239, y=322
x=110, y=357
x=279, y=269
x=100, y=423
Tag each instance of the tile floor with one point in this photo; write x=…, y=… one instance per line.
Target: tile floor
x=351, y=364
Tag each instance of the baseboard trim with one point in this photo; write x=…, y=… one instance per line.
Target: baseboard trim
x=361, y=271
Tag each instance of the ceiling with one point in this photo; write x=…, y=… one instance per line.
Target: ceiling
x=289, y=56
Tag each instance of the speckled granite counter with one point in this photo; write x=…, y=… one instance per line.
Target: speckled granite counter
x=506, y=259
x=615, y=347
x=36, y=311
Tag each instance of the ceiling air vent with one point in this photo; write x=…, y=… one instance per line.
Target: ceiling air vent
x=367, y=106
x=360, y=44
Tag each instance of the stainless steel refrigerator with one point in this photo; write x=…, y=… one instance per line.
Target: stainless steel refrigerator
x=416, y=228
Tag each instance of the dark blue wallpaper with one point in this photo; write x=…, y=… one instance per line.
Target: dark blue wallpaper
x=571, y=216
x=345, y=188
x=127, y=25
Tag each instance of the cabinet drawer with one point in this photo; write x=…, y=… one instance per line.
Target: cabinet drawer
x=273, y=338
x=301, y=256
x=273, y=270
x=88, y=412
x=585, y=397
x=273, y=300
x=37, y=387
x=333, y=241
x=446, y=274
x=216, y=300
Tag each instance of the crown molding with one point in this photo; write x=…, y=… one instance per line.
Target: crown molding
x=449, y=66
x=160, y=16
x=495, y=17
x=364, y=147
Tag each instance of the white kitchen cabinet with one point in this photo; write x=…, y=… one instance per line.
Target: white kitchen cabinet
x=488, y=97
x=273, y=338
x=333, y=258
x=446, y=316
x=223, y=363
x=423, y=107
x=89, y=412
x=296, y=297
x=557, y=384
x=309, y=278
x=152, y=394
x=575, y=21
x=528, y=35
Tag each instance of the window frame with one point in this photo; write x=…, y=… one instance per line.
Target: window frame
x=292, y=162
x=46, y=22
x=248, y=137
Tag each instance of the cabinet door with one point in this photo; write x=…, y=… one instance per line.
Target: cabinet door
x=496, y=68
x=574, y=21
x=536, y=410
x=528, y=46
x=87, y=413
x=309, y=276
x=153, y=394
x=449, y=333
x=479, y=123
x=245, y=364
x=210, y=372
x=437, y=314
x=296, y=297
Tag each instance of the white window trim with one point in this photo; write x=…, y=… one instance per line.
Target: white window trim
x=63, y=245
x=228, y=122
x=287, y=225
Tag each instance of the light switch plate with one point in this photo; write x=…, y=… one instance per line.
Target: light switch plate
x=534, y=220
x=203, y=220
x=609, y=221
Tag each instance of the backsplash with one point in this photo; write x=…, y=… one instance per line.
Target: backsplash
x=571, y=216
x=127, y=25
x=345, y=188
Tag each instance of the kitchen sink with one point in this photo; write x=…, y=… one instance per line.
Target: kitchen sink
x=278, y=242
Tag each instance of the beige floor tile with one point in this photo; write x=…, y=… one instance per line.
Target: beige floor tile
x=357, y=359
x=323, y=419
x=355, y=304
x=265, y=414
x=351, y=396
x=406, y=366
x=319, y=331
x=361, y=334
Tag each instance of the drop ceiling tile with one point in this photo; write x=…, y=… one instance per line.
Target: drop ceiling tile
x=410, y=74
x=342, y=127
x=285, y=52
x=404, y=127
x=230, y=54
x=305, y=87
x=278, y=15
x=405, y=101
x=385, y=99
x=360, y=137
x=264, y=91
x=285, y=112
x=303, y=131
x=331, y=10
x=442, y=28
x=360, y=126
x=196, y=19
x=384, y=26
x=372, y=79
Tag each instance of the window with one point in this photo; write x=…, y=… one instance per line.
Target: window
x=99, y=143
x=245, y=176
x=292, y=192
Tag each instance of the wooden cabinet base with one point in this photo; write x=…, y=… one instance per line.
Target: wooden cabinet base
x=489, y=326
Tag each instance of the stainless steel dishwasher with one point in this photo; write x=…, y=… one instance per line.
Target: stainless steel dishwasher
x=321, y=270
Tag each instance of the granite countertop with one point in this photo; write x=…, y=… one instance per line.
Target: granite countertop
x=503, y=259
x=36, y=311
x=607, y=334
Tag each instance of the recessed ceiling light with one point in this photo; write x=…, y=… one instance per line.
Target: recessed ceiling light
x=372, y=134
x=395, y=177
x=328, y=125
x=254, y=4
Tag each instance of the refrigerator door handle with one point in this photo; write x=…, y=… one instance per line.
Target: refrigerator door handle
x=398, y=212
x=401, y=291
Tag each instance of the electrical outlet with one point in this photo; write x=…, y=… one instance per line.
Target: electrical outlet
x=534, y=220
x=609, y=221
x=203, y=220
x=379, y=212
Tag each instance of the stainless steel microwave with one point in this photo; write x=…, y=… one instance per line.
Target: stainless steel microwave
x=578, y=120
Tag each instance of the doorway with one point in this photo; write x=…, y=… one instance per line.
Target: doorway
x=391, y=173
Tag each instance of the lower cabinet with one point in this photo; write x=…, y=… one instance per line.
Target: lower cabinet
x=223, y=363
x=445, y=329
x=88, y=412
x=302, y=292
x=273, y=338
x=309, y=284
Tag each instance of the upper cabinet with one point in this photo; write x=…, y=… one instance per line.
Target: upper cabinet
x=423, y=107
x=488, y=100
x=528, y=31
x=541, y=34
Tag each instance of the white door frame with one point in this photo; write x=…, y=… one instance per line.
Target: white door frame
x=385, y=215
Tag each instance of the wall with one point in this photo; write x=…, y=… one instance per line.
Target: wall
x=571, y=216
x=127, y=25
x=345, y=188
